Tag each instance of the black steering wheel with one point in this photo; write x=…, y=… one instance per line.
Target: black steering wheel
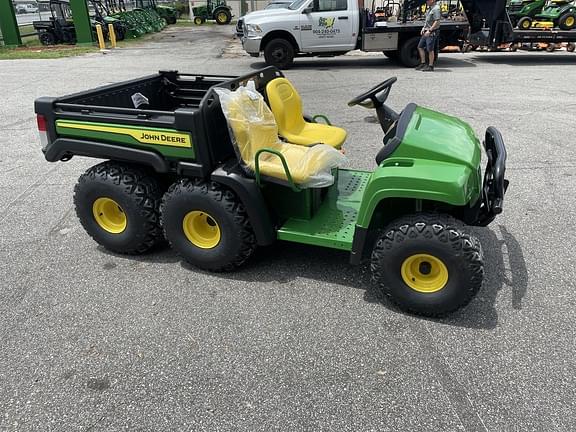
x=376, y=96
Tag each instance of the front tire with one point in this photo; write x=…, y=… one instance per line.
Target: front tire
x=525, y=23
x=428, y=264
x=199, y=20
x=280, y=53
x=207, y=225
x=119, y=207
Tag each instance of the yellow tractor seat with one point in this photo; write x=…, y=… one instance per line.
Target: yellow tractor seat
x=286, y=105
x=255, y=136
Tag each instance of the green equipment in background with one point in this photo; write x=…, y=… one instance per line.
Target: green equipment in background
x=216, y=10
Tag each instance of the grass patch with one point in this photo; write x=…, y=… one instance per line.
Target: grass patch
x=33, y=51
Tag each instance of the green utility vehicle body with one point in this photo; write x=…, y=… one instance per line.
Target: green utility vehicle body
x=172, y=124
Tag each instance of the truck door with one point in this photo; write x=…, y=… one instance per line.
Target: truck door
x=329, y=26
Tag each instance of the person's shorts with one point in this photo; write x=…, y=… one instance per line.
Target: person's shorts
x=428, y=42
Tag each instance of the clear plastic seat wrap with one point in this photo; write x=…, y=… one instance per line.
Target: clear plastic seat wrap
x=254, y=134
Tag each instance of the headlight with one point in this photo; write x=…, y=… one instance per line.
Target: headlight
x=253, y=28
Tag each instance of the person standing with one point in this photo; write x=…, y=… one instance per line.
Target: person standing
x=429, y=36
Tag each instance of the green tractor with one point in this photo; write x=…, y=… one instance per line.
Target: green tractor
x=216, y=10
x=556, y=13
x=198, y=160
x=522, y=12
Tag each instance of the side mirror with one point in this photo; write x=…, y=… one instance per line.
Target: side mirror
x=307, y=10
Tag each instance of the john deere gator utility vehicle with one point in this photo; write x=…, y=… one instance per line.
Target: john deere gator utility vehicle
x=216, y=10
x=220, y=165
x=522, y=12
x=556, y=13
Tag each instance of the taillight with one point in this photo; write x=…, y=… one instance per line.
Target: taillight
x=41, y=120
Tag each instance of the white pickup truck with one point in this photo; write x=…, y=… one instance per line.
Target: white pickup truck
x=334, y=27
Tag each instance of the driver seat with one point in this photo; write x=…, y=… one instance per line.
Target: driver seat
x=286, y=105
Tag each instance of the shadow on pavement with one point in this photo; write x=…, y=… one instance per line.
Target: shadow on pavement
x=514, y=59
x=445, y=62
x=284, y=262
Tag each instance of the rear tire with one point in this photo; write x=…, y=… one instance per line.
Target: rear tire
x=222, y=16
x=119, y=207
x=392, y=55
x=280, y=53
x=408, y=52
x=567, y=21
x=207, y=225
x=428, y=264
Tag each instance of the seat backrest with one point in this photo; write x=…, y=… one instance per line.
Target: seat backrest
x=251, y=122
x=286, y=105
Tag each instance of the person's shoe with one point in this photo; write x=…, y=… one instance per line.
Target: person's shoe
x=420, y=66
x=427, y=68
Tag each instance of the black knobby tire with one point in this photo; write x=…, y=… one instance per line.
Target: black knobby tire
x=220, y=13
x=137, y=192
x=120, y=32
x=567, y=21
x=524, y=23
x=199, y=20
x=408, y=53
x=236, y=242
x=280, y=53
x=440, y=236
x=47, y=38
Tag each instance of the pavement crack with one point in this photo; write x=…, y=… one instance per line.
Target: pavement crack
x=456, y=393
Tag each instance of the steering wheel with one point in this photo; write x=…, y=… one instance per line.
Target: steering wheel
x=372, y=98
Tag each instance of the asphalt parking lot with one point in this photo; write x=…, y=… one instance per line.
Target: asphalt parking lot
x=297, y=339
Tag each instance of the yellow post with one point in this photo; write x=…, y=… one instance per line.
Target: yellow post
x=100, y=37
x=112, y=35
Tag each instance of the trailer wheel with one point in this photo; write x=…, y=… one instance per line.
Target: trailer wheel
x=567, y=21
x=550, y=47
x=428, y=264
x=207, y=225
x=223, y=16
x=119, y=207
x=408, y=52
x=524, y=23
x=570, y=47
x=280, y=53
x=47, y=38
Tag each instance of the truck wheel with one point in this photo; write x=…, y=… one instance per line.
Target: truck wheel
x=119, y=207
x=409, y=56
x=392, y=55
x=207, y=225
x=524, y=23
x=223, y=16
x=567, y=21
x=47, y=38
x=280, y=53
x=428, y=264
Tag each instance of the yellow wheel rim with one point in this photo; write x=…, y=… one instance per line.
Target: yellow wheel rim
x=569, y=21
x=221, y=17
x=424, y=273
x=526, y=24
x=109, y=215
x=197, y=21
x=201, y=229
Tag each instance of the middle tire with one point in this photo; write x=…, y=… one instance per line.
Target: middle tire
x=207, y=225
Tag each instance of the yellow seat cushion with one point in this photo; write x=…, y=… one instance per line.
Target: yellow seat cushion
x=286, y=105
x=253, y=129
